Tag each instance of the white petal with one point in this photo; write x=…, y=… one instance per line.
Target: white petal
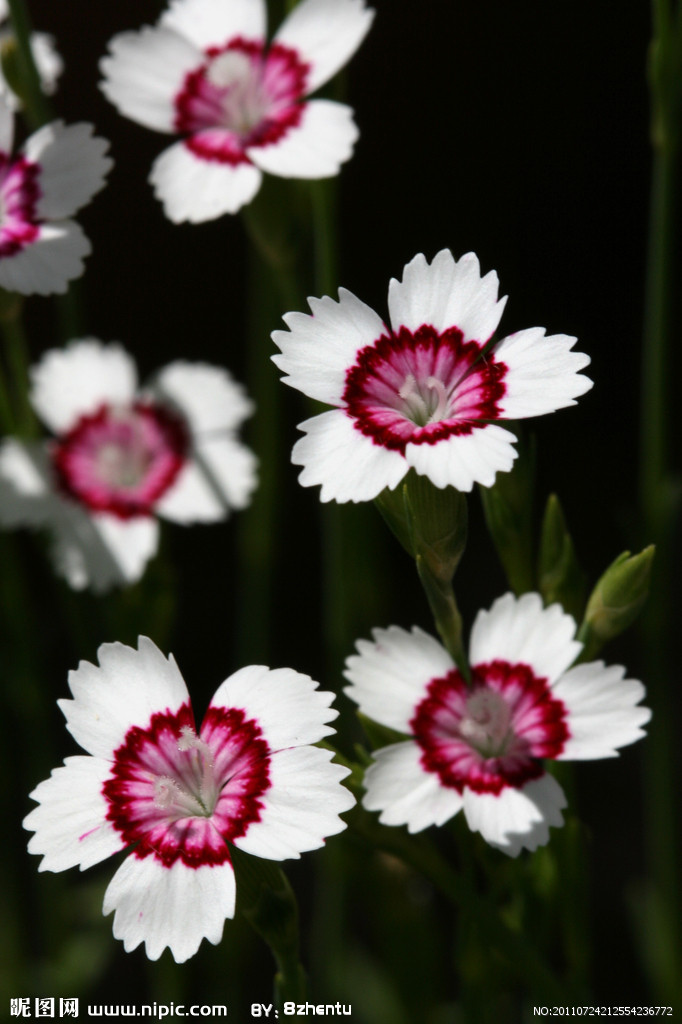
x=69, y=383
x=521, y=631
x=287, y=705
x=319, y=349
x=26, y=497
x=175, y=907
x=70, y=824
x=390, y=674
x=48, y=62
x=406, y=794
x=219, y=478
x=446, y=293
x=516, y=819
x=348, y=464
x=326, y=34
x=196, y=190
x=602, y=710
x=72, y=164
x=125, y=690
x=6, y=128
x=48, y=263
x=542, y=373
x=314, y=148
x=143, y=73
x=207, y=396
x=463, y=460
x=214, y=22
x=301, y=807
x=100, y=551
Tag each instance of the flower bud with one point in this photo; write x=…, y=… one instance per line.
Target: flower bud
x=616, y=600
x=560, y=578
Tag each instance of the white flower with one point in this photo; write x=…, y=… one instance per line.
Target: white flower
x=205, y=72
x=177, y=799
x=58, y=170
x=480, y=748
x=49, y=64
x=121, y=457
x=425, y=393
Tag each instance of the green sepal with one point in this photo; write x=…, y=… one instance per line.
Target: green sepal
x=616, y=600
x=508, y=510
x=560, y=578
x=430, y=522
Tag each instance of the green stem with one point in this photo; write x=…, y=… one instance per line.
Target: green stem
x=36, y=107
x=16, y=348
x=659, y=500
x=497, y=936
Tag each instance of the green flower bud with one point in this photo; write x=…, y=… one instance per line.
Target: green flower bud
x=508, y=508
x=560, y=578
x=616, y=600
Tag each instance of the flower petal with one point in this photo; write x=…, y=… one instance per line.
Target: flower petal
x=542, y=373
x=318, y=349
x=6, y=128
x=516, y=818
x=26, y=497
x=462, y=460
x=214, y=22
x=288, y=706
x=70, y=822
x=316, y=147
x=175, y=907
x=301, y=807
x=207, y=396
x=446, y=293
x=195, y=190
x=349, y=465
x=602, y=710
x=220, y=477
x=68, y=383
x=521, y=631
x=143, y=72
x=390, y=674
x=72, y=164
x=326, y=34
x=125, y=690
x=100, y=551
x=406, y=794
x=48, y=263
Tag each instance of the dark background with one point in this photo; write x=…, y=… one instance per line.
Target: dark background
x=518, y=131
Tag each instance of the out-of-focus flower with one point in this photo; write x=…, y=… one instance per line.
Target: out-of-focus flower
x=426, y=393
x=58, y=170
x=47, y=60
x=122, y=456
x=480, y=748
x=206, y=72
x=177, y=799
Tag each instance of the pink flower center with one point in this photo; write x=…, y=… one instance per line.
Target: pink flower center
x=239, y=98
x=19, y=195
x=121, y=459
x=492, y=735
x=176, y=795
x=421, y=387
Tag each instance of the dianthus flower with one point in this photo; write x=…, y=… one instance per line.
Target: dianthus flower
x=49, y=64
x=176, y=798
x=427, y=393
x=206, y=73
x=58, y=170
x=122, y=456
x=481, y=747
